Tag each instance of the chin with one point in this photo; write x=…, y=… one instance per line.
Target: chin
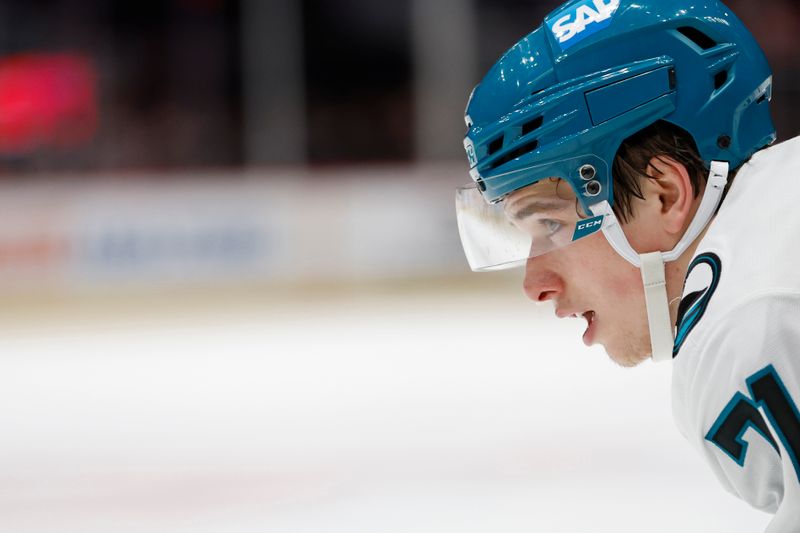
x=627, y=356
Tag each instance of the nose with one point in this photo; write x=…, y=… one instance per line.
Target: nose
x=541, y=283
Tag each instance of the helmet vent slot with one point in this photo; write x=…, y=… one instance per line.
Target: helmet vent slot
x=698, y=37
x=719, y=79
x=517, y=152
x=495, y=145
x=532, y=125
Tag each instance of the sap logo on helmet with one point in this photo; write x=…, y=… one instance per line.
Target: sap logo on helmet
x=581, y=21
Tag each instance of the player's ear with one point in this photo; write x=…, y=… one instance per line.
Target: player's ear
x=673, y=187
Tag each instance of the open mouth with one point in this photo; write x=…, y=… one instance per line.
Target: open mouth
x=588, y=335
x=591, y=324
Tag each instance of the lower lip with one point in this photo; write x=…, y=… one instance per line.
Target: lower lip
x=588, y=335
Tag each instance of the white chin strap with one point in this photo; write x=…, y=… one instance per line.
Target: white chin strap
x=662, y=330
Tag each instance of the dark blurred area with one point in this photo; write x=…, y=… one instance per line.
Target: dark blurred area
x=96, y=85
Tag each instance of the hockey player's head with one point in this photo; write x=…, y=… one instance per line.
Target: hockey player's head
x=606, y=103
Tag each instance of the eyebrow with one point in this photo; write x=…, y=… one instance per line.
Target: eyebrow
x=539, y=206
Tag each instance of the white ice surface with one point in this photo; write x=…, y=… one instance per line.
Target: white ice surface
x=415, y=410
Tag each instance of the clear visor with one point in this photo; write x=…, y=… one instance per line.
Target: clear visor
x=530, y=221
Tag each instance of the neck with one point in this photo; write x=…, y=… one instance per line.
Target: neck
x=675, y=274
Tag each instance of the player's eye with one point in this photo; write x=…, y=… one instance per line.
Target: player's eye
x=551, y=225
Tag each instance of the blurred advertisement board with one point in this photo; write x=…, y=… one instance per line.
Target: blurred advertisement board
x=342, y=225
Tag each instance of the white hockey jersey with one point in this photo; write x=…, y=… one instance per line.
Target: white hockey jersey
x=736, y=373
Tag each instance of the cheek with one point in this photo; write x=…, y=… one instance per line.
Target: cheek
x=609, y=274
x=642, y=236
x=628, y=283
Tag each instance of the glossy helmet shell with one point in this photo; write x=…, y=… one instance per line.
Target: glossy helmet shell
x=597, y=71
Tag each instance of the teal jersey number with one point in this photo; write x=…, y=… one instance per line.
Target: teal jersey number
x=768, y=392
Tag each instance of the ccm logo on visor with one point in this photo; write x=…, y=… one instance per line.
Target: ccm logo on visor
x=581, y=21
x=587, y=227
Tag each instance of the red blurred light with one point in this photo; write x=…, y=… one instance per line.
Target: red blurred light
x=46, y=101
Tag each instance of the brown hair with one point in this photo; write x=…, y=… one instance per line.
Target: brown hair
x=633, y=159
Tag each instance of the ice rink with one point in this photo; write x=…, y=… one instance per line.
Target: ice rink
x=424, y=407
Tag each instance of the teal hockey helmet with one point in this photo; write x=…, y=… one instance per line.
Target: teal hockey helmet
x=562, y=100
